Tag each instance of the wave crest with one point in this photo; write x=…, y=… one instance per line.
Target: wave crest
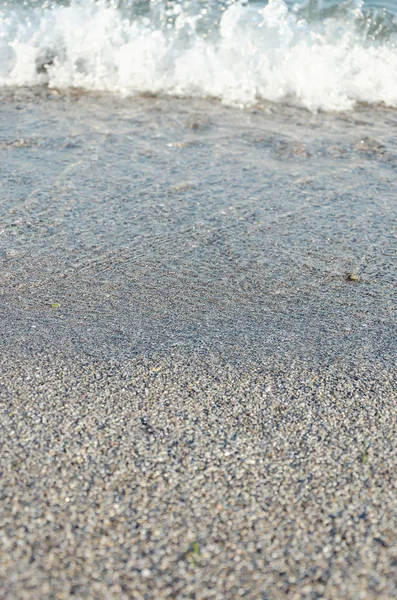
x=253, y=53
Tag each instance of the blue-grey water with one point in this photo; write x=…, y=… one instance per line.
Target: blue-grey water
x=155, y=224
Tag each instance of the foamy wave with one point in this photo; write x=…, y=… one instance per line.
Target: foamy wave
x=258, y=52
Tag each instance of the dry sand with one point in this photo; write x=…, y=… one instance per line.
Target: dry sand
x=176, y=478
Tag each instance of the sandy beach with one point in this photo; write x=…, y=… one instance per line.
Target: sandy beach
x=177, y=478
x=197, y=350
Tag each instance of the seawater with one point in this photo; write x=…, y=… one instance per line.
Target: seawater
x=319, y=55
x=199, y=177
x=164, y=224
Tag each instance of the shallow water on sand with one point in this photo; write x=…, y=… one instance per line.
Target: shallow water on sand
x=154, y=224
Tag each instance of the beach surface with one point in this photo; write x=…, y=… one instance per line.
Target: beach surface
x=197, y=350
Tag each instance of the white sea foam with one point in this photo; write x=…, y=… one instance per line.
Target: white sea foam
x=257, y=52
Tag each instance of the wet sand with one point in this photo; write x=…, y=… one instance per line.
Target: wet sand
x=197, y=340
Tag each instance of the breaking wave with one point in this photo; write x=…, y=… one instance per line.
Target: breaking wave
x=320, y=56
